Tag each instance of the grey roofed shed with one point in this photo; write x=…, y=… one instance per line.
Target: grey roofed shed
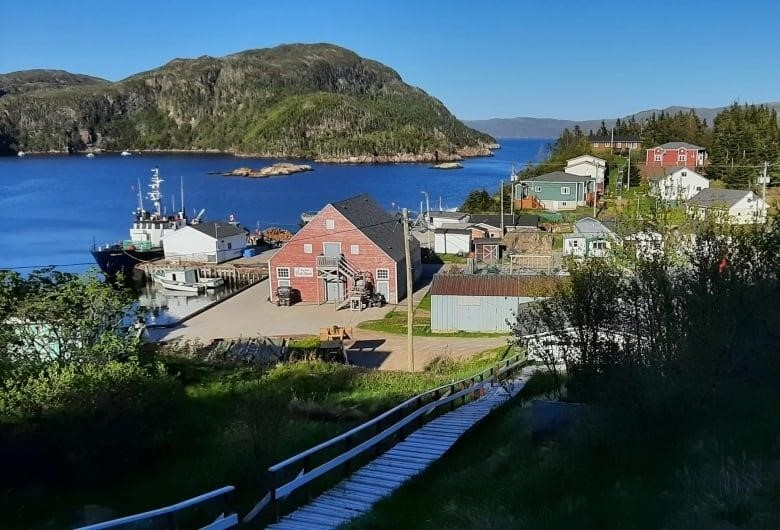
x=221, y=229
x=711, y=197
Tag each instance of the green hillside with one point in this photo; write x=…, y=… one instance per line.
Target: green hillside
x=295, y=100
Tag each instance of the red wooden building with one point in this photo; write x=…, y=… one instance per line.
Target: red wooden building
x=346, y=243
x=676, y=154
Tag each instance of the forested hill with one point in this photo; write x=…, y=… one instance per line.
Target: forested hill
x=299, y=100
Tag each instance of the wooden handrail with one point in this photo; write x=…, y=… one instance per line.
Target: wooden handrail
x=443, y=395
x=384, y=415
x=161, y=511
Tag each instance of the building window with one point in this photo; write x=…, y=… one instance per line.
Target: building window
x=307, y=248
x=682, y=158
x=538, y=189
x=619, y=144
x=600, y=245
x=565, y=190
x=283, y=273
x=230, y=246
x=657, y=157
x=330, y=224
x=698, y=188
x=683, y=173
x=574, y=243
x=383, y=274
x=354, y=250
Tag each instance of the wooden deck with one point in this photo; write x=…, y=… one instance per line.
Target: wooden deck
x=355, y=495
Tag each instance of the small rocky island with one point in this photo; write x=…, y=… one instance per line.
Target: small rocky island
x=448, y=165
x=282, y=168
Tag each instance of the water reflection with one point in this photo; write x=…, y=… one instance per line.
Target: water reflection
x=166, y=307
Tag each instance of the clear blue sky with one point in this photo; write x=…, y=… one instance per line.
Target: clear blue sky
x=483, y=59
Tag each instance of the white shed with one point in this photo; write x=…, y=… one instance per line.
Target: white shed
x=728, y=206
x=452, y=240
x=212, y=242
x=589, y=239
x=679, y=185
x=440, y=219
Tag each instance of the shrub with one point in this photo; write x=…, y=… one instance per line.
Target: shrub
x=82, y=420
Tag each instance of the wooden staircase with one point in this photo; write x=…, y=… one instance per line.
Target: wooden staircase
x=356, y=495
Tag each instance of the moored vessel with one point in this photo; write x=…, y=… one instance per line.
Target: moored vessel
x=146, y=233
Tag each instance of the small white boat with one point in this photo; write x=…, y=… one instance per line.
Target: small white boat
x=179, y=280
x=126, y=153
x=90, y=155
x=21, y=153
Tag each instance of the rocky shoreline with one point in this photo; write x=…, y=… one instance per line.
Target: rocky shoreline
x=436, y=157
x=282, y=168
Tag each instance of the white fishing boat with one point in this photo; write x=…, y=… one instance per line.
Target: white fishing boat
x=186, y=279
x=126, y=153
x=90, y=155
x=21, y=153
x=179, y=280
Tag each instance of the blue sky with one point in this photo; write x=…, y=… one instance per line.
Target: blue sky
x=575, y=59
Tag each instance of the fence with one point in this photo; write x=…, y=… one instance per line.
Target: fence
x=352, y=445
x=170, y=517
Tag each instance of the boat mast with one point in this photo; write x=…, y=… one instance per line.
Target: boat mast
x=140, y=197
x=181, y=187
x=154, y=194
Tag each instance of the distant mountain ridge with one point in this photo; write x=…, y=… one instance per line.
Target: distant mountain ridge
x=524, y=127
x=296, y=100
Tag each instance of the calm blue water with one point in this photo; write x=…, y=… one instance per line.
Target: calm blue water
x=52, y=207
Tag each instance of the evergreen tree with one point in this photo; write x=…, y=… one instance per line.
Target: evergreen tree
x=602, y=130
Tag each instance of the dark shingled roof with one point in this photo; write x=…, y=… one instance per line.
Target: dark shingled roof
x=486, y=285
x=711, y=197
x=492, y=219
x=617, y=138
x=219, y=229
x=385, y=230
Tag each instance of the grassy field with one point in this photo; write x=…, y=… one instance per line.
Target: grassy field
x=618, y=475
x=395, y=322
x=234, y=424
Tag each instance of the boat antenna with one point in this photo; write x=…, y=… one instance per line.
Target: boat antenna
x=154, y=194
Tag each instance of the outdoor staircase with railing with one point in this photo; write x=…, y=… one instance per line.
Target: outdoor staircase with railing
x=339, y=268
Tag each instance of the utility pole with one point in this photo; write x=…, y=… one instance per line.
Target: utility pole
x=764, y=180
x=502, y=208
x=595, y=195
x=628, y=186
x=409, y=292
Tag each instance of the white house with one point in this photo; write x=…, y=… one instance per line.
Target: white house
x=588, y=166
x=679, y=185
x=452, y=238
x=212, y=242
x=728, y=206
x=589, y=239
x=646, y=244
x=438, y=219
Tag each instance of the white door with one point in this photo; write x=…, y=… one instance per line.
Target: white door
x=383, y=288
x=334, y=291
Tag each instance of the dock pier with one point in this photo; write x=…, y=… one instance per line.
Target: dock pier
x=241, y=271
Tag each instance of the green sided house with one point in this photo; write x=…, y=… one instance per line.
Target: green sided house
x=554, y=191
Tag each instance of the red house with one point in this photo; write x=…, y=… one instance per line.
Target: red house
x=347, y=243
x=676, y=154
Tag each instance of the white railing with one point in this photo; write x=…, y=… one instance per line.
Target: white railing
x=223, y=521
x=421, y=406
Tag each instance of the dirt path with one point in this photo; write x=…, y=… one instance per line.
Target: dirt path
x=388, y=352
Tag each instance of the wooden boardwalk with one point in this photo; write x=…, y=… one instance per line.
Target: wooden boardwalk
x=355, y=495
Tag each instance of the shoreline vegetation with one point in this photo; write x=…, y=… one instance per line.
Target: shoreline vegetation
x=438, y=157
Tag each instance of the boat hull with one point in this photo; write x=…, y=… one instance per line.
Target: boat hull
x=179, y=286
x=115, y=260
